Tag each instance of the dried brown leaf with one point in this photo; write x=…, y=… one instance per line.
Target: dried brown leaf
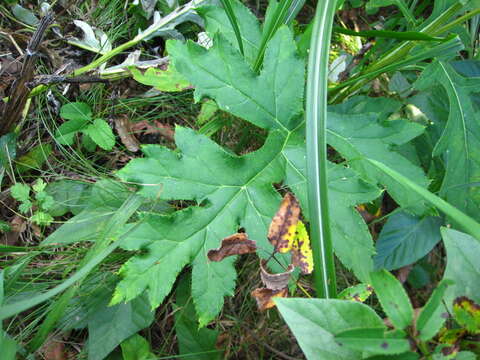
x=275, y=281
x=282, y=228
x=236, y=244
x=123, y=127
x=264, y=297
x=157, y=127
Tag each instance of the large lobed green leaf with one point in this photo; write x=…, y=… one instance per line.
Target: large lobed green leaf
x=237, y=191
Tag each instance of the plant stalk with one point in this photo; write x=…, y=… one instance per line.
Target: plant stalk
x=316, y=114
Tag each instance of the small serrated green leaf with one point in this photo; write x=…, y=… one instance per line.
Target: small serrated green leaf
x=20, y=192
x=39, y=186
x=88, y=143
x=136, y=347
x=101, y=133
x=393, y=298
x=25, y=206
x=41, y=218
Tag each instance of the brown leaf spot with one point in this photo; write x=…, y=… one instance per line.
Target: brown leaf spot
x=282, y=227
x=236, y=244
x=123, y=127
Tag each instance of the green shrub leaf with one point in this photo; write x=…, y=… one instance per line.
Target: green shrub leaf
x=101, y=133
x=393, y=297
x=110, y=325
x=315, y=322
x=405, y=239
x=136, y=347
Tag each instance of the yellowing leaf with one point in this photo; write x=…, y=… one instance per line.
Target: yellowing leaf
x=281, y=233
x=301, y=250
x=358, y=293
x=467, y=314
x=164, y=80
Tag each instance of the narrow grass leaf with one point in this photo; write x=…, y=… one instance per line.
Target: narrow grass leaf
x=468, y=224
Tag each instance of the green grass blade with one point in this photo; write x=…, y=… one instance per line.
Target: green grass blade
x=316, y=112
x=294, y=10
x=227, y=6
x=399, y=35
x=467, y=224
x=269, y=29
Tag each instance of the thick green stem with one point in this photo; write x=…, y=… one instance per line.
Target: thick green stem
x=316, y=111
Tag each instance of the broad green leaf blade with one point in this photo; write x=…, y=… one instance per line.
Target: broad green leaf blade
x=405, y=239
x=193, y=342
x=76, y=111
x=272, y=100
x=216, y=21
x=434, y=313
x=136, y=347
x=460, y=141
x=463, y=265
x=315, y=322
x=374, y=340
x=112, y=324
x=360, y=136
x=101, y=133
x=393, y=298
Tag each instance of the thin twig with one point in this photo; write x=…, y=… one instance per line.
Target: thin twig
x=58, y=79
